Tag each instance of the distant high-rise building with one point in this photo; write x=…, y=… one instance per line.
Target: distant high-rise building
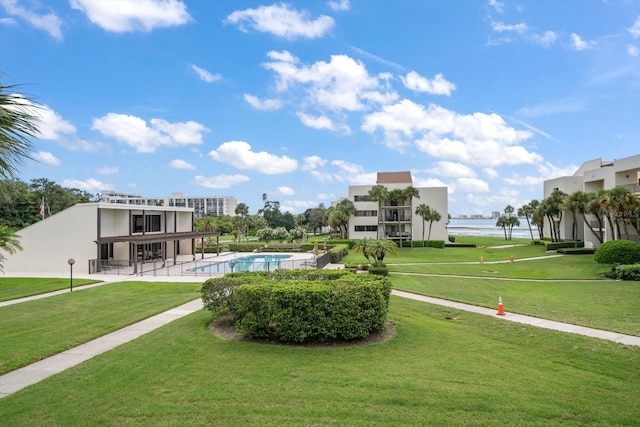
x=202, y=205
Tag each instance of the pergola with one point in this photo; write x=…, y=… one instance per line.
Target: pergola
x=162, y=238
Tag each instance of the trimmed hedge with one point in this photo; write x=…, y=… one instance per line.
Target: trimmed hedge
x=300, y=306
x=427, y=244
x=618, y=252
x=460, y=245
x=627, y=272
x=552, y=246
x=338, y=252
x=577, y=251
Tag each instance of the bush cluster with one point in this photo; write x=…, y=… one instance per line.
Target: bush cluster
x=427, y=244
x=618, y=252
x=577, y=251
x=627, y=272
x=300, y=306
x=552, y=246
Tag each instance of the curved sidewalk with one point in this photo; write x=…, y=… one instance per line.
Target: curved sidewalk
x=528, y=320
x=36, y=372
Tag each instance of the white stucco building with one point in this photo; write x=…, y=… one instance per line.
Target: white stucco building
x=202, y=205
x=591, y=177
x=396, y=220
x=98, y=235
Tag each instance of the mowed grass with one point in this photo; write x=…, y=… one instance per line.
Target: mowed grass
x=472, y=371
x=33, y=330
x=19, y=287
x=603, y=304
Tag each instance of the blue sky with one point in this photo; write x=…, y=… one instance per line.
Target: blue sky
x=301, y=99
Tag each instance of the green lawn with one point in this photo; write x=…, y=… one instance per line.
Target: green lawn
x=610, y=305
x=19, y=287
x=34, y=330
x=472, y=371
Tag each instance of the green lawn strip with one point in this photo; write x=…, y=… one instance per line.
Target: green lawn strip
x=33, y=330
x=563, y=267
x=420, y=255
x=606, y=304
x=472, y=371
x=19, y=287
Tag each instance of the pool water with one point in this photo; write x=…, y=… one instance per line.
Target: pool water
x=246, y=263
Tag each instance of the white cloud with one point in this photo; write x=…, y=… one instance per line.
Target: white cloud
x=546, y=39
x=321, y=122
x=634, y=30
x=281, y=21
x=133, y=15
x=108, y=170
x=46, y=158
x=240, y=155
x=297, y=206
x=474, y=185
x=633, y=50
x=341, y=84
x=451, y=169
x=497, y=6
x=490, y=172
x=48, y=22
x=181, y=164
x=352, y=173
x=564, y=105
x=326, y=196
x=312, y=162
x=578, y=44
x=51, y=125
x=438, y=86
x=204, y=74
x=479, y=138
x=90, y=185
x=220, y=181
x=263, y=104
x=339, y=5
x=525, y=181
x=145, y=138
x=501, y=27
x=286, y=191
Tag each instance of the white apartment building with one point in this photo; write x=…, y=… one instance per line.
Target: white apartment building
x=396, y=220
x=98, y=235
x=202, y=205
x=591, y=177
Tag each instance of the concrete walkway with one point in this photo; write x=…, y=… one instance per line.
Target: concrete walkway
x=528, y=320
x=36, y=372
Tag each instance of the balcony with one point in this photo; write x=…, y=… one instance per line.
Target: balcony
x=633, y=188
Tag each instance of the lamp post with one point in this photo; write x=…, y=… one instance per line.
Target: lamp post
x=232, y=264
x=71, y=261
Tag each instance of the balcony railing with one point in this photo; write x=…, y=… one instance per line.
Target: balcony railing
x=633, y=188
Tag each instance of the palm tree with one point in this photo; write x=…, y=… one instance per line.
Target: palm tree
x=379, y=248
x=18, y=122
x=243, y=210
x=593, y=208
x=509, y=210
x=571, y=204
x=503, y=222
x=433, y=215
x=379, y=193
x=8, y=243
x=527, y=211
x=362, y=246
x=410, y=193
x=424, y=211
x=338, y=217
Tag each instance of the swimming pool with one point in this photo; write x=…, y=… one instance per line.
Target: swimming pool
x=245, y=263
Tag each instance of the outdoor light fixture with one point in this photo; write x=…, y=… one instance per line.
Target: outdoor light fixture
x=71, y=261
x=232, y=264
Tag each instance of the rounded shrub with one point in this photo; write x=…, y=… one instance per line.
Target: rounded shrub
x=618, y=252
x=301, y=306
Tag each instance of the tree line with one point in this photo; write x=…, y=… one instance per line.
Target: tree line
x=617, y=207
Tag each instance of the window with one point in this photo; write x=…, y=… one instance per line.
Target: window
x=152, y=223
x=364, y=198
x=366, y=228
x=366, y=213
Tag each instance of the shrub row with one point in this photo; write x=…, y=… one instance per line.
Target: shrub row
x=577, y=251
x=552, y=246
x=301, y=305
x=627, y=272
x=460, y=245
x=338, y=252
x=427, y=244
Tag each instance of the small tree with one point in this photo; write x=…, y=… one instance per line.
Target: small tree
x=378, y=249
x=361, y=247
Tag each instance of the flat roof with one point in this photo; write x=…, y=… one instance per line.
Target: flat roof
x=394, y=178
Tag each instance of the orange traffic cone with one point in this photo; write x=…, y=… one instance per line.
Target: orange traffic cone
x=511, y=259
x=500, y=307
x=481, y=260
